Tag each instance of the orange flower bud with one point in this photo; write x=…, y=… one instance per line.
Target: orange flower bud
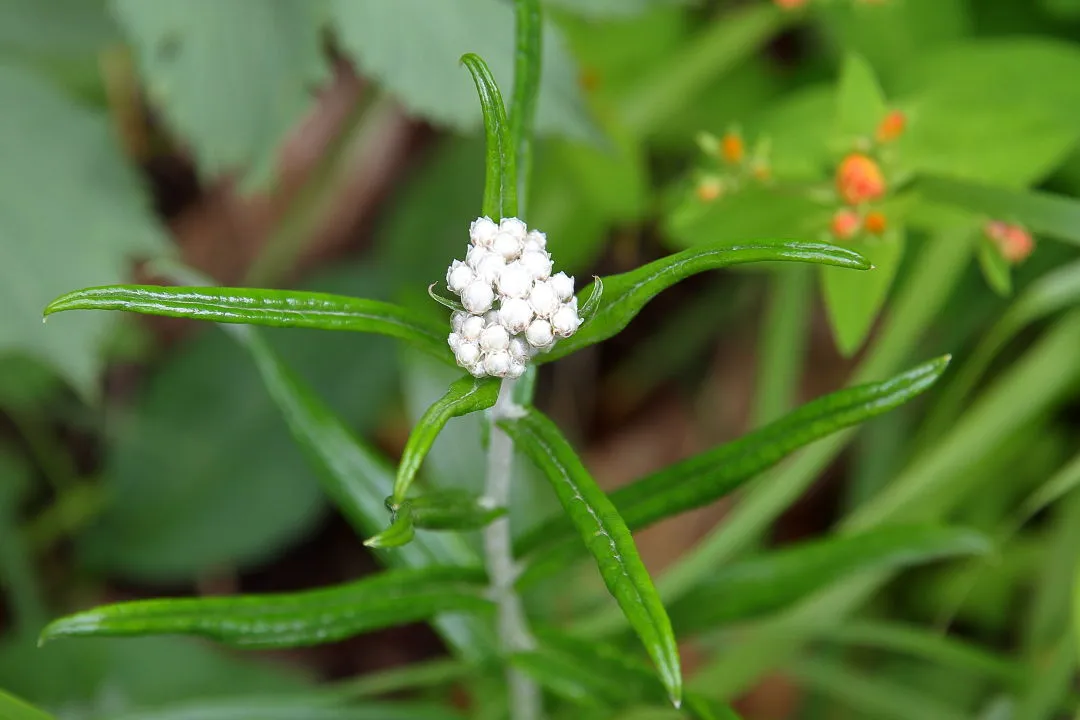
x=709, y=188
x=1013, y=242
x=891, y=127
x=790, y=4
x=875, y=223
x=732, y=148
x=859, y=179
x=845, y=223
x=762, y=172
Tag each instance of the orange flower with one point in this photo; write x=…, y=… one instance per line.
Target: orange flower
x=875, y=223
x=859, y=179
x=845, y=223
x=732, y=148
x=709, y=188
x=790, y=4
x=891, y=127
x=1013, y=242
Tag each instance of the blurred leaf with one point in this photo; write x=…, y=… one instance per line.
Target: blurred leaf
x=26, y=383
x=452, y=510
x=273, y=308
x=775, y=579
x=235, y=120
x=12, y=708
x=60, y=27
x=995, y=268
x=1063, y=9
x=606, y=537
x=286, y=709
x=704, y=478
x=611, y=8
x=391, y=598
x=18, y=576
x=860, y=101
x=853, y=300
x=1057, y=486
x=49, y=142
x=417, y=60
x=465, y=396
x=401, y=530
x=627, y=293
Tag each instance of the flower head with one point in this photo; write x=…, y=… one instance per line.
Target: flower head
x=514, y=307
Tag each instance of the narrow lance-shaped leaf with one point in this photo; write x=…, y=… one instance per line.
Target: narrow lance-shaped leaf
x=500, y=183
x=606, y=536
x=283, y=620
x=467, y=395
x=273, y=308
x=626, y=294
x=456, y=510
x=772, y=581
x=275, y=707
x=401, y=530
x=528, y=26
x=12, y=708
x=704, y=478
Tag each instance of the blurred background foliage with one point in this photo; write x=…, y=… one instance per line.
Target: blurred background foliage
x=333, y=145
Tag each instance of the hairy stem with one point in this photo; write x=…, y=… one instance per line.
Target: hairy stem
x=513, y=628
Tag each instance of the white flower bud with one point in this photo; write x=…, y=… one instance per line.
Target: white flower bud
x=536, y=240
x=517, y=369
x=565, y=321
x=458, y=276
x=490, y=267
x=519, y=350
x=539, y=334
x=493, y=338
x=474, y=255
x=497, y=363
x=514, y=227
x=538, y=263
x=471, y=328
x=454, y=340
x=457, y=319
x=543, y=299
x=491, y=317
x=467, y=354
x=563, y=285
x=515, y=315
x=477, y=297
x=477, y=369
x=507, y=245
x=515, y=281
x=482, y=231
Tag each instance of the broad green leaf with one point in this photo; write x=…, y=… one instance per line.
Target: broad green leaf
x=704, y=478
x=775, y=579
x=235, y=121
x=417, y=60
x=289, y=709
x=995, y=269
x=391, y=598
x=625, y=294
x=607, y=538
x=467, y=395
x=273, y=308
x=860, y=104
x=1042, y=213
x=853, y=300
x=48, y=141
x=12, y=708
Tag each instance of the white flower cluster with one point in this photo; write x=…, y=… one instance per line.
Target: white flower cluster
x=514, y=306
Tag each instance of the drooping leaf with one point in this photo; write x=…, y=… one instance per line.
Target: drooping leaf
x=773, y=580
x=607, y=538
x=467, y=395
x=48, y=141
x=854, y=299
x=625, y=294
x=272, y=308
x=702, y=479
x=12, y=708
x=500, y=178
x=417, y=59
x=283, y=620
x=235, y=121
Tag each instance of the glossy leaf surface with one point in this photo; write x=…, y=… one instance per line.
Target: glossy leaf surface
x=775, y=579
x=273, y=308
x=626, y=294
x=467, y=395
x=704, y=478
x=289, y=619
x=606, y=536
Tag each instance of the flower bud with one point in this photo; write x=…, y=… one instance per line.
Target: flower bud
x=790, y=4
x=535, y=240
x=454, y=341
x=493, y=338
x=732, y=148
x=515, y=280
x=859, y=180
x=515, y=315
x=709, y=188
x=507, y=245
x=497, y=363
x=844, y=225
x=517, y=369
x=543, y=299
x=458, y=276
x=477, y=297
x=489, y=268
x=539, y=334
x=565, y=321
x=1013, y=242
x=875, y=223
x=538, y=263
x=457, y=319
x=482, y=232
x=514, y=227
x=563, y=285
x=467, y=354
x=519, y=350
x=891, y=127
x=472, y=327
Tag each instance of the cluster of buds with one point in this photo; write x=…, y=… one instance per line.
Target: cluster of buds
x=797, y=4
x=514, y=307
x=860, y=181
x=1013, y=242
x=735, y=164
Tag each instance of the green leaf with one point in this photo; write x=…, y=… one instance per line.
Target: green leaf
x=599, y=9
x=995, y=268
x=285, y=708
x=1042, y=213
x=501, y=180
x=452, y=510
x=704, y=478
x=776, y=579
x=48, y=141
x=391, y=598
x=384, y=48
x=860, y=101
x=401, y=530
x=607, y=538
x=467, y=395
x=528, y=58
x=60, y=28
x=854, y=299
x=272, y=308
x=235, y=121
x=12, y=708
x=626, y=294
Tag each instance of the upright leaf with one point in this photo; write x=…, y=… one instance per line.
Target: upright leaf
x=607, y=538
x=283, y=620
x=860, y=104
x=48, y=141
x=500, y=180
x=626, y=294
x=773, y=580
x=234, y=120
x=854, y=299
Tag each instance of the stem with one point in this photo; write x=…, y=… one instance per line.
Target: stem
x=513, y=628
